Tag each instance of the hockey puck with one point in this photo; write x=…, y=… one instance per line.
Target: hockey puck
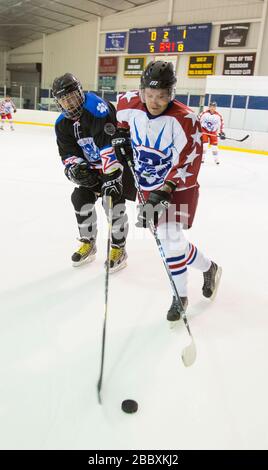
x=129, y=406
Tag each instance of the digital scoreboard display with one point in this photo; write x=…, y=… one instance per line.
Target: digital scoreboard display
x=170, y=39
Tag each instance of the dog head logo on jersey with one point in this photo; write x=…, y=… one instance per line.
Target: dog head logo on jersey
x=90, y=149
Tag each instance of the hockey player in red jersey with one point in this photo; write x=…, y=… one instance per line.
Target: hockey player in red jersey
x=163, y=136
x=7, y=107
x=212, y=124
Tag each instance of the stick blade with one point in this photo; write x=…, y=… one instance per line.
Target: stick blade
x=244, y=138
x=189, y=354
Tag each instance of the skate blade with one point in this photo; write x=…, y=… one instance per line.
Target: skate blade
x=217, y=282
x=119, y=267
x=89, y=259
x=173, y=324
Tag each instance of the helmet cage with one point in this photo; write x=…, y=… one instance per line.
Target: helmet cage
x=70, y=99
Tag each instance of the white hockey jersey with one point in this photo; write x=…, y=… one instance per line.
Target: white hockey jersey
x=212, y=123
x=7, y=107
x=167, y=147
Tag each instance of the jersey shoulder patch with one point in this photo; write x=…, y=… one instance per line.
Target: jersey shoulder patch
x=96, y=105
x=181, y=113
x=59, y=119
x=129, y=100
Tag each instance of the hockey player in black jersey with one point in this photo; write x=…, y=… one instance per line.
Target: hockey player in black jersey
x=84, y=131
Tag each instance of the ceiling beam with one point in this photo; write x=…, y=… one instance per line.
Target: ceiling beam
x=76, y=8
x=57, y=12
x=47, y=17
x=103, y=5
x=28, y=26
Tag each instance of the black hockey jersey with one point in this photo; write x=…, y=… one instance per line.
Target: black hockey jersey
x=89, y=139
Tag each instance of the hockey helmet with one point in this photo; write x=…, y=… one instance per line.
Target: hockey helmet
x=159, y=75
x=69, y=96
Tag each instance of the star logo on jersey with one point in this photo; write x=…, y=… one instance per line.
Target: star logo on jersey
x=196, y=137
x=102, y=108
x=191, y=158
x=182, y=173
x=130, y=94
x=193, y=117
x=119, y=96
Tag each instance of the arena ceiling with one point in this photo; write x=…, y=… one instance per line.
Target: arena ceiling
x=23, y=21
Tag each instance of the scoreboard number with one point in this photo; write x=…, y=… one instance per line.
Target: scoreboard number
x=168, y=39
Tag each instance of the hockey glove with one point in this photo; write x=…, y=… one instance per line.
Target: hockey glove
x=81, y=174
x=157, y=203
x=121, y=143
x=112, y=185
x=222, y=135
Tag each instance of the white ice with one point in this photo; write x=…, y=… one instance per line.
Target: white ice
x=52, y=315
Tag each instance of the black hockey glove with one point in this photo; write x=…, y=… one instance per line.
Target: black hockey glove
x=112, y=185
x=157, y=203
x=222, y=135
x=81, y=174
x=121, y=143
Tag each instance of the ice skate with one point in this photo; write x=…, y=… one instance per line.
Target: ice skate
x=118, y=258
x=211, y=281
x=176, y=309
x=86, y=252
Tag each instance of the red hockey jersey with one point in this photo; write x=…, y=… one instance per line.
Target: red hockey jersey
x=167, y=147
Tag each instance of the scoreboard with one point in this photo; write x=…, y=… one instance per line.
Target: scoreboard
x=170, y=39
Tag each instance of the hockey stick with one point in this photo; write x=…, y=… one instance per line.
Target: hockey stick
x=110, y=214
x=229, y=138
x=189, y=352
x=238, y=140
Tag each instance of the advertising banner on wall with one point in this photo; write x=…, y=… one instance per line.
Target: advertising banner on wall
x=239, y=64
x=133, y=66
x=233, y=35
x=108, y=65
x=107, y=82
x=115, y=41
x=201, y=65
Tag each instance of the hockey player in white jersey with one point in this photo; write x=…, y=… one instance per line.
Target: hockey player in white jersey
x=212, y=124
x=7, y=107
x=166, y=147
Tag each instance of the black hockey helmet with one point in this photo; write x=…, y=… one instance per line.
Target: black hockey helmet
x=213, y=103
x=69, y=96
x=159, y=75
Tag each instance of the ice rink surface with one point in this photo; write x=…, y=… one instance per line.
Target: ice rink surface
x=52, y=315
